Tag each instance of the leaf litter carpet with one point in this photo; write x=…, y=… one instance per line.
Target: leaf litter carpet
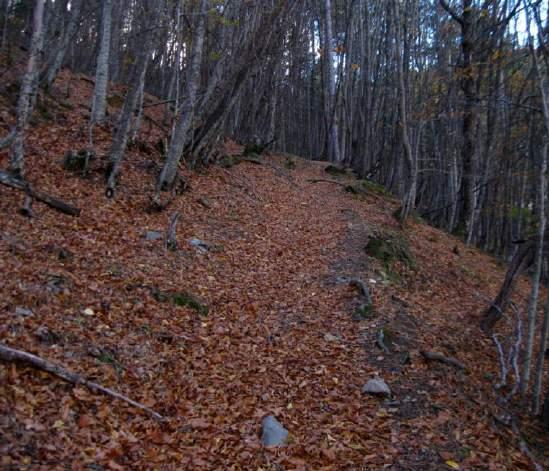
x=279, y=337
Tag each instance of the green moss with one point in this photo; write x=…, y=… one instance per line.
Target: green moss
x=290, y=163
x=188, y=300
x=181, y=298
x=364, y=312
x=389, y=249
x=335, y=170
x=367, y=187
x=228, y=161
x=115, y=101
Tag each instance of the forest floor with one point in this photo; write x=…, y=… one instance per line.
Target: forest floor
x=279, y=336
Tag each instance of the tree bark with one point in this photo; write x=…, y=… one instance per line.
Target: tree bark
x=120, y=140
x=68, y=36
x=29, y=84
x=175, y=151
x=99, y=100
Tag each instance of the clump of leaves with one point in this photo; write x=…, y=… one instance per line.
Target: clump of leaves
x=389, y=249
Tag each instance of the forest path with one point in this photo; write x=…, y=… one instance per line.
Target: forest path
x=278, y=339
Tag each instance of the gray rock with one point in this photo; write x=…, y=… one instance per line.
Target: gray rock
x=153, y=235
x=23, y=312
x=376, y=387
x=273, y=433
x=199, y=245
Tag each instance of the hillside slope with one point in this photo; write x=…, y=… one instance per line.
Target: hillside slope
x=280, y=335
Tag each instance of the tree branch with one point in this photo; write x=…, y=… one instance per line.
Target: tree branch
x=12, y=355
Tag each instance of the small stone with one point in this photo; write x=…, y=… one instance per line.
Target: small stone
x=376, y=387
x=330, y=338
x=23, y=312
x=273, y=433
x=88, y=311
x=153, y=235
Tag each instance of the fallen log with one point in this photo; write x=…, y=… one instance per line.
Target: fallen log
x=434, y=356
x=12, y=355
x=52, y=202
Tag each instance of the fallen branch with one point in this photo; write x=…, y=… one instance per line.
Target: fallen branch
x=434, y=356
x=322, y=180
x=12, y=355
x=381, y=341
x=11, y=181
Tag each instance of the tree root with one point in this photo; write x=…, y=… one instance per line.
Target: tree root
x=12, y=355
x=434, y=356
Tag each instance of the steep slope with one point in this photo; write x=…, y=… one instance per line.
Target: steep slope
x=279, y=336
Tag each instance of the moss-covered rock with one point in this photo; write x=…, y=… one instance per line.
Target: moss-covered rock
x=367, y=187
x=389, y=249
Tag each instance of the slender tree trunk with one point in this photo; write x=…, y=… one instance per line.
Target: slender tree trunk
x=543, y=342
x=99, y=103
x=179, y=139
x=333, y=127
x=534, y=294
x=68, y=36
x=5, y=16
x=408, y=204
x=120, y=140
x=28, y=90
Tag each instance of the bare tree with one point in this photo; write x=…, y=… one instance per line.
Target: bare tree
x=99, y=100
x=28, y=90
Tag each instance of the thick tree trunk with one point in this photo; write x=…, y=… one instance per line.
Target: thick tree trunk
x=28, y=90
x=99, y=100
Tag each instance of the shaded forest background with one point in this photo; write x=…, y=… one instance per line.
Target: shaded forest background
x=438, y=101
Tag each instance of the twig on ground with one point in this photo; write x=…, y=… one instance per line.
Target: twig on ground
x=12, y=355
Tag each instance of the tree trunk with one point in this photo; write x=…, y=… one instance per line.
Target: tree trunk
x=333, y=128
x=120, y=140
x=534, y=294
x=522, y=260
x=28, y=90
x=99, y=103
x=59, y=56
x=179, y=139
